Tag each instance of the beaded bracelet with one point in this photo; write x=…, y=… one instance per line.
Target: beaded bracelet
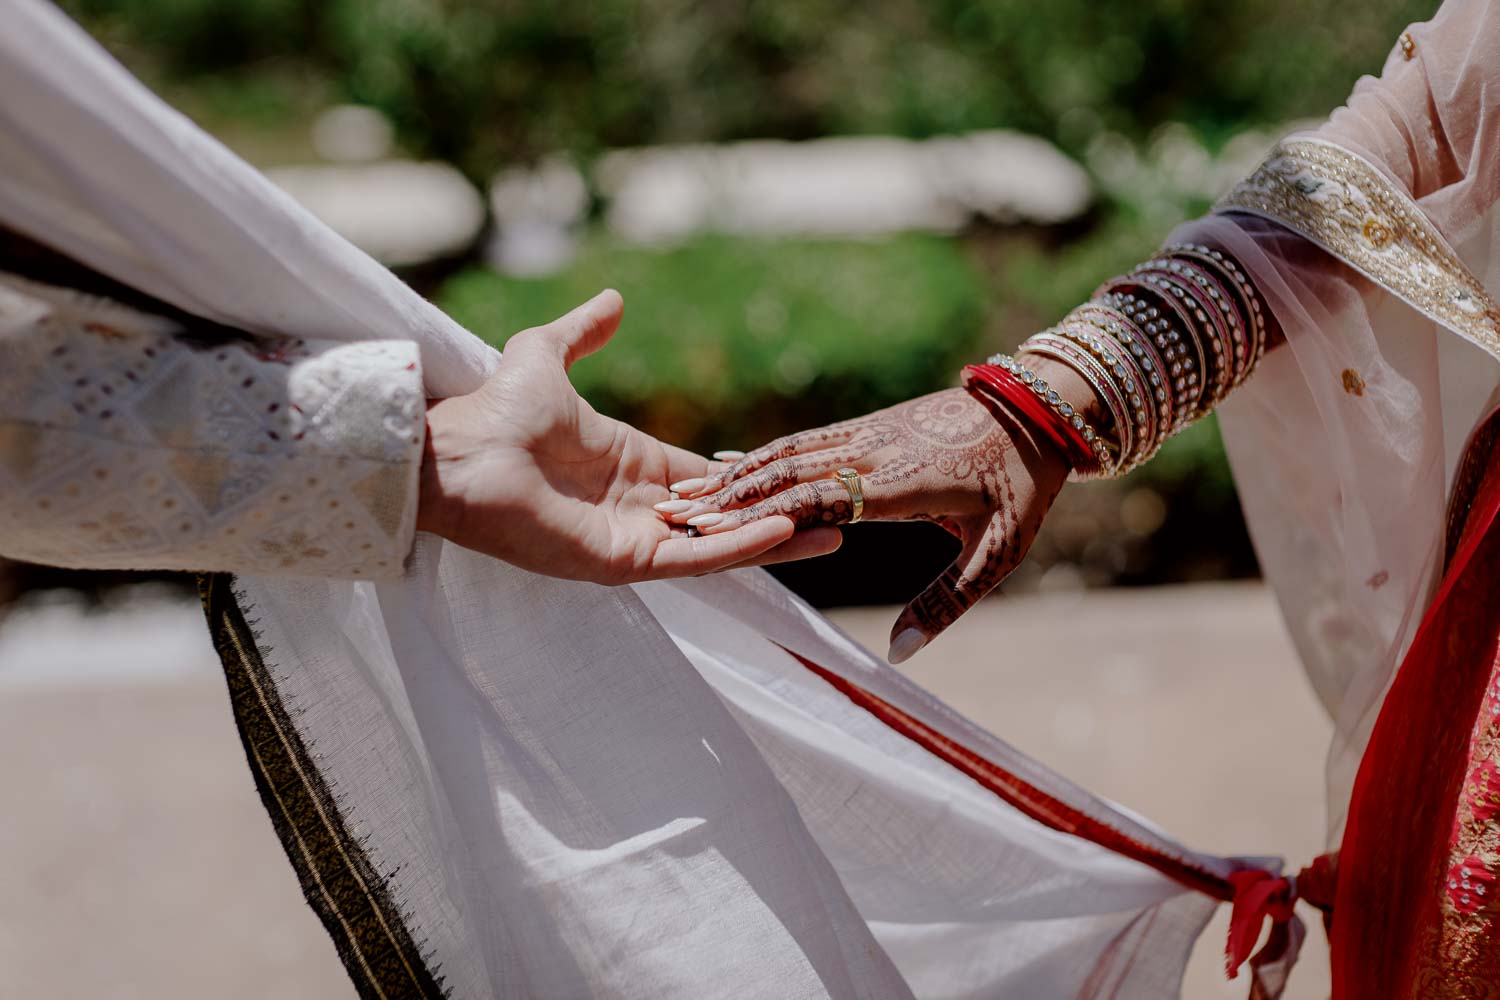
x=1159, y=347
x=1185, y=352
x=1212, y=284
x=1049, y=344
x=1159, y=328
x=1130, y=336
x=1194, y=272
x=1004, y=392
x=1125, y=367
x=1216, y=343
x=1141, y=436
x=1232, y=322
x=1009, y=397
x=1248, y=301
x=1116, y=372
x=1004, y=374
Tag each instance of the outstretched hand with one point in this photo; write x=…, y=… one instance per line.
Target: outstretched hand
x=943, y=457
x=525, y=470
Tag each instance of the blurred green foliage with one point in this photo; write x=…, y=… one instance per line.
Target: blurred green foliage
x=487, y=82
x=728, y=341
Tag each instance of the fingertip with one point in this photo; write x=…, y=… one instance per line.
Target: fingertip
x=760, y=536
x=906, y=644
x=735, y=520
x=810, y=543
x=829, y=538
x=610, y=301
x=777, y=526
x=784, y=526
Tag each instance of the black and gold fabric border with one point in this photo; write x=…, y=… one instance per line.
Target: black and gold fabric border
x=350, y=896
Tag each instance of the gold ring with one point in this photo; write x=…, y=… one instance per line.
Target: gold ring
x=850, y=480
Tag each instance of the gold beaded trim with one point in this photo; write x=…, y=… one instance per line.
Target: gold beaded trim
x=1348, y=207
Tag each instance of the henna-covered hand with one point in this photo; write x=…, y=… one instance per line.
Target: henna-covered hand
x=943, y=457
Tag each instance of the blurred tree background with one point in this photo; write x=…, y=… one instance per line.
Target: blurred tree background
x=730, y=339
x=483, y=83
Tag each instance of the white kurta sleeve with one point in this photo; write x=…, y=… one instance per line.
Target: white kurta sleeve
x=127, y=444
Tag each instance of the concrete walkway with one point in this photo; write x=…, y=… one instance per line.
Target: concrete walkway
x=138, y=862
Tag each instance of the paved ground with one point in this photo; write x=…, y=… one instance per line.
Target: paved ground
x=137, y=862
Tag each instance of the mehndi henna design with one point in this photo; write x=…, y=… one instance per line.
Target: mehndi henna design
x=942, y=458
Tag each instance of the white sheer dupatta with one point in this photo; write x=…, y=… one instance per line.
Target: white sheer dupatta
x=1345, y=443
x=495, y=784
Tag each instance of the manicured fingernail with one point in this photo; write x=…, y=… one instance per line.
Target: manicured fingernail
x=905, y=645
x=675, y=506
x=729, y=456
x=688, y=485
x=695, y=508
x=705, y=520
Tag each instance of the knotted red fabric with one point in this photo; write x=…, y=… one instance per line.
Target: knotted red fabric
x=1257, y=895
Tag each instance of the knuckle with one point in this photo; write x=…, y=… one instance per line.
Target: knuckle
x=739, y=469
x=740, y=494
x=752, y=460
x=784, y=447
x=781, y=474
x=745, y=490
x=522, y=339
x=806, y=494
x=741, y=516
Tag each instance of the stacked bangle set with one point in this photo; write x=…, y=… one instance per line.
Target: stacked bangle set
x=1160, y=347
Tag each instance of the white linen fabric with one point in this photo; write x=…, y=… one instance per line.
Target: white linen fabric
x=1344, y=444
x=570, y=790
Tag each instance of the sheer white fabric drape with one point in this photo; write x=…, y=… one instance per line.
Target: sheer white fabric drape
x=1345, y=442
x=577, y=791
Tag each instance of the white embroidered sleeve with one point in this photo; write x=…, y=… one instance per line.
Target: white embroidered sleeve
x=125, y=444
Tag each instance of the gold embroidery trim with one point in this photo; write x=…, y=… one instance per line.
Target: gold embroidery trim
x=1349, y=208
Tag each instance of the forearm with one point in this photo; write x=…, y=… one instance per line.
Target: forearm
x=125, y=444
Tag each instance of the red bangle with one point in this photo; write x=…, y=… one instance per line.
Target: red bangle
x=994, y=385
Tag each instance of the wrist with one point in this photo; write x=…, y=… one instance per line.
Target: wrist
x=1028, y=420
x=1020, y=395
x=437, y=504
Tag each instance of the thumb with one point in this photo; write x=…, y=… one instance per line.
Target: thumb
x=985, y=560
x=584, y=330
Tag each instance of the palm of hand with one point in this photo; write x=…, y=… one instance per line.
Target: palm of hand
x=528, y=472
x=591, y=480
